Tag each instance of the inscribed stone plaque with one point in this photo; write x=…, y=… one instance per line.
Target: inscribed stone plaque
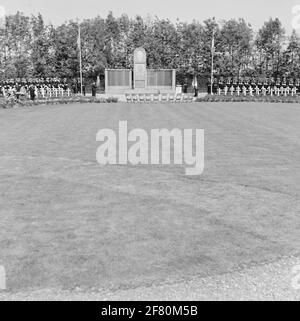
x=140, y=71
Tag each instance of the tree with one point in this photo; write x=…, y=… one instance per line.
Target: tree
x=31, y=48
x=236, y=42
x=291, y=56
x=94, y=52
x=161, y=44
x=269, y=41
x=191, y=47
x=66, y=61
x=42, y=54
x=16, y=46
x=211, y=28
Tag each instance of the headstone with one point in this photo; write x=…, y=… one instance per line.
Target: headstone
x=140, y=71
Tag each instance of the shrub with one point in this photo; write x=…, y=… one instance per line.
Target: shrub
x=11, y=102
x=235, y=98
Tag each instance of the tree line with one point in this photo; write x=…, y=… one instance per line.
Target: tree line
x=31, y=48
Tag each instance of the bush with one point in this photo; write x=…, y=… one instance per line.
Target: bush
x=235, y=98
x=11, y=102
x=8, y=102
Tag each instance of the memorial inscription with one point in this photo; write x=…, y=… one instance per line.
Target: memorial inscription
x=140, y=69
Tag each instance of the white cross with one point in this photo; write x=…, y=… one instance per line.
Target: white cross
x=225, y=90
x=282, y=90
x=287, y=91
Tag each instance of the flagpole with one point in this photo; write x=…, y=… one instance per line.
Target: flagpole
x=212, y=60
x=80, y=59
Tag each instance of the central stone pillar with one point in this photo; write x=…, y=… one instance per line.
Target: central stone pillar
x=140, y=69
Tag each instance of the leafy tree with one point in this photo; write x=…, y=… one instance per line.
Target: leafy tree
x=211, y=28
x=291, y=57
x=161, y=44
x=42, y=55
x=16, y=46
x=31, y=48
x=191, y=47
x=269, y=42
x=66, y=62
x=236, y=43
x=94, y=52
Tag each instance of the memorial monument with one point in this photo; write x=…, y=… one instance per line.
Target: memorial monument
x=140, y=79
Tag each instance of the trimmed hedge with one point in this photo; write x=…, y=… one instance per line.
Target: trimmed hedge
x=12, y=102
x=235, y=98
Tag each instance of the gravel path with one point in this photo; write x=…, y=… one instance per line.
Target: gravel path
x=274, y=281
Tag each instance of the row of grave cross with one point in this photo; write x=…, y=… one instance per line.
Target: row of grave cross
x=264, y=91
x=56, y=92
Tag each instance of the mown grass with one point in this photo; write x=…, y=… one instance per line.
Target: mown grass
x=66, y=222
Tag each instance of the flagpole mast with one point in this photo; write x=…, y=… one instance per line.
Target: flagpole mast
x=212, y=59
x=80, y=59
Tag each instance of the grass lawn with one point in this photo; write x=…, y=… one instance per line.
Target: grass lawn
x=67, y=222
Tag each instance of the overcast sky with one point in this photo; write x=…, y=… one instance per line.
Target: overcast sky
x=254, y=11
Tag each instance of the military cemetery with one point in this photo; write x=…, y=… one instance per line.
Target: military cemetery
x=149, y=158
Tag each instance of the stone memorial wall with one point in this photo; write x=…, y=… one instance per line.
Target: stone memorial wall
x=140, y=79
